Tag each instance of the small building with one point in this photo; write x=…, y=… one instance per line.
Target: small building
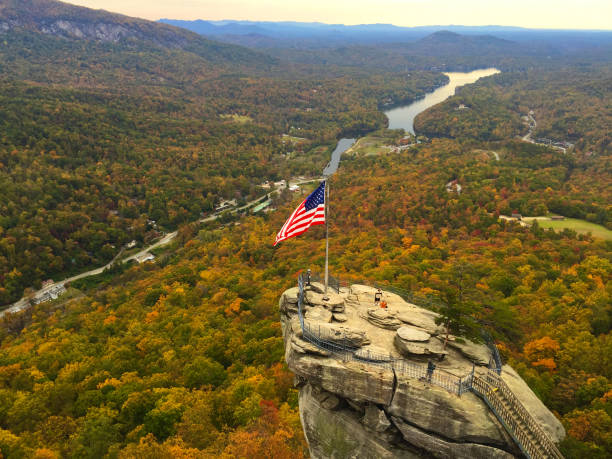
x=47, y=283
x=225, y=205
x=557, y=217
x=131, y=245
x=516, y=215
x=462, y=107
x=144, y=257
x=294, y=188
x=262, y=206
x=52, y=294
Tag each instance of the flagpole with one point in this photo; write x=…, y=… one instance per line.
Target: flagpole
x=326, y=234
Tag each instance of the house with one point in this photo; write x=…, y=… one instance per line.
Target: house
x=226, y=204
x=294, y=188
x=516, y=215
x=144, y=257
x=47, y=283
x=131, y=245
x=52, y=294
x=462, y=107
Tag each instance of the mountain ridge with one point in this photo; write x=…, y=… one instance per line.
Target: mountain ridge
x=58, y=19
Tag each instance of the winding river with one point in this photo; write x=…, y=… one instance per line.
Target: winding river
x=403, y=117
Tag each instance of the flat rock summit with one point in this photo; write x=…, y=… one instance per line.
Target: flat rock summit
x=353, y=405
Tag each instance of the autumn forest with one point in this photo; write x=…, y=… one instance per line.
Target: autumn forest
x=103, y=143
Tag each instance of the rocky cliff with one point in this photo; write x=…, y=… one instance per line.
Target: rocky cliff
x=353, y=405
x=70, y=22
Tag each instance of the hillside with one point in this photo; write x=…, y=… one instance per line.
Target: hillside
x=103, y=143
x=58, y=19
x=117, y=132
x=184, y=357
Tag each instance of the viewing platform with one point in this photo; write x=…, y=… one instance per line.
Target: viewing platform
x=393, y=357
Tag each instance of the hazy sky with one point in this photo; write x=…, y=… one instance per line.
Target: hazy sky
x=566, y=14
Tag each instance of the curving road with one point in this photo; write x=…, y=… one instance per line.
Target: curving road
x=24, y=303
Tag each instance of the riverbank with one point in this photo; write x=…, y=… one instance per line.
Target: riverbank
x=403, y=117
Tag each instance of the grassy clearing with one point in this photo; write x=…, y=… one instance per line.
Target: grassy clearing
x=370, y=145
x=237, y=118
x=580, y=226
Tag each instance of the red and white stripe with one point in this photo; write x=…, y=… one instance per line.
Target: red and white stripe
x=300, y=220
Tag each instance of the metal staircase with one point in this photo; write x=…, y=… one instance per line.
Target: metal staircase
x=522, y=427
x=489, y=386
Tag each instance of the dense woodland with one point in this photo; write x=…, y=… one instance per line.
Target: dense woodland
x=89, y=157
x=570, y=104
x=184, y=357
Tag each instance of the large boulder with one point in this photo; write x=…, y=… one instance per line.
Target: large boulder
x=477, y=353
x=382, y=318
x=408, y=333
x=288, y=301
x=304, y=347
x=432, y=348
x=318, y=314
x=422, y=320
x=435, y=410
x=340, y=317
x=331, y=300
x=337, y=334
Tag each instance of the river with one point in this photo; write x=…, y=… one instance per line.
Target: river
x=341, y=147
x=403, y=117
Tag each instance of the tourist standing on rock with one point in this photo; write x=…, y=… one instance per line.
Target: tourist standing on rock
x=430, y=369
x=377, y=297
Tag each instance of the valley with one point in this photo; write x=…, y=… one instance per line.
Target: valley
x=123, y=138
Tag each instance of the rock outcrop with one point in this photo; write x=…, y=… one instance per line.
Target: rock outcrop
x=368, y=406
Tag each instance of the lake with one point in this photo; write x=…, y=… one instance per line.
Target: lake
x=403, y=117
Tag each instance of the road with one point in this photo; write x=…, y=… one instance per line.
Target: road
x=532, y=127
x=24, y=303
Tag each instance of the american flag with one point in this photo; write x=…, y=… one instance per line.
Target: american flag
x=310, y=212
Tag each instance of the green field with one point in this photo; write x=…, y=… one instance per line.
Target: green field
x=580, y=226
x=370, y=145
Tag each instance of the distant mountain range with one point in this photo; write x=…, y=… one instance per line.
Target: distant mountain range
x=314, y=34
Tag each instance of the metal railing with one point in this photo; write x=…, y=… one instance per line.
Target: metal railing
x=518, y=422
x=490, y=387
x=332, y=282
x=334, y=342
x=495, y=362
